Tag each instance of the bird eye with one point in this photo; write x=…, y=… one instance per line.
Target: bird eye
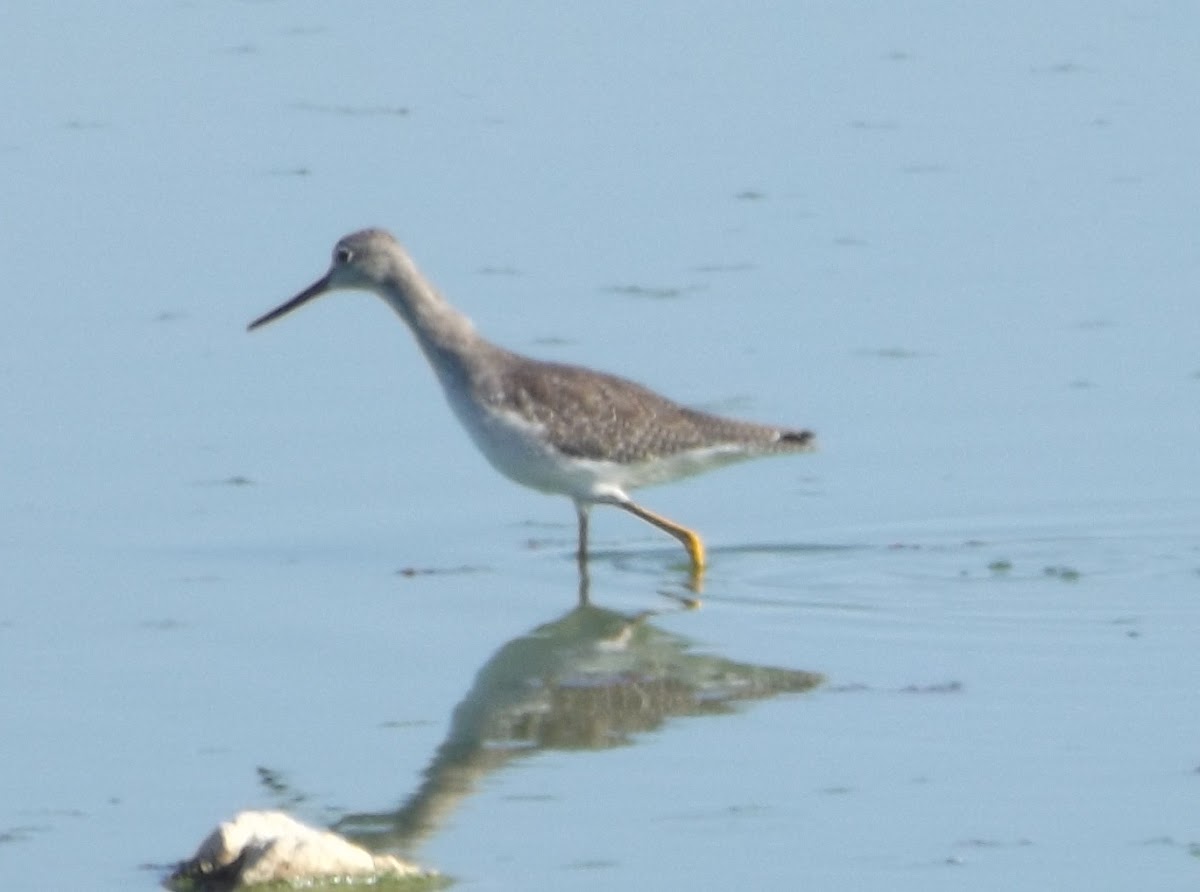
x=342, y=254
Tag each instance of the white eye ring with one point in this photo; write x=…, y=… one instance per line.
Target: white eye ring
x=342, y=254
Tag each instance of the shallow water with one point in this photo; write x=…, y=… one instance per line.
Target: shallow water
x=239, y=571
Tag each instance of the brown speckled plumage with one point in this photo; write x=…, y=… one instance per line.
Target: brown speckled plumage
x=589, y=414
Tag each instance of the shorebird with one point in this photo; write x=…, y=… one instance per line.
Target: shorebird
x=563, y=429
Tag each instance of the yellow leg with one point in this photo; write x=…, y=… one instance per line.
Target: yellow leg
x=585, y=582
x=691, y=541
x=581, y=511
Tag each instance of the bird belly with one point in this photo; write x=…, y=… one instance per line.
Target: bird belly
x=518, y=449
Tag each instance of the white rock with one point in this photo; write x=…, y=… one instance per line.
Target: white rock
x=269, y=846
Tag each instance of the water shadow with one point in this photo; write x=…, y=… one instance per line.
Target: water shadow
x=590, y=680
x=688, y=588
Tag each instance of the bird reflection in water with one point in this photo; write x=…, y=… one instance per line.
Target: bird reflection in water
x=592, y=679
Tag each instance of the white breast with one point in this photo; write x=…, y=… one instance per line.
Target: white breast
x=518, y=450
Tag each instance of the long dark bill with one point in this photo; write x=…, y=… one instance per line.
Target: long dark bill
x=316, y=289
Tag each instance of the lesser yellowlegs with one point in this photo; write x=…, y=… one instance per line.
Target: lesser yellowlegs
x=557, y=428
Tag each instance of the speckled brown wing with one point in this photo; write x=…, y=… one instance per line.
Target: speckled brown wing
x=592, y=415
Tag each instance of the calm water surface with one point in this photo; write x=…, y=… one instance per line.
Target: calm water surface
x=270, y=571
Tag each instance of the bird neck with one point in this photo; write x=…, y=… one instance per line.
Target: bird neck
x=446, y=336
